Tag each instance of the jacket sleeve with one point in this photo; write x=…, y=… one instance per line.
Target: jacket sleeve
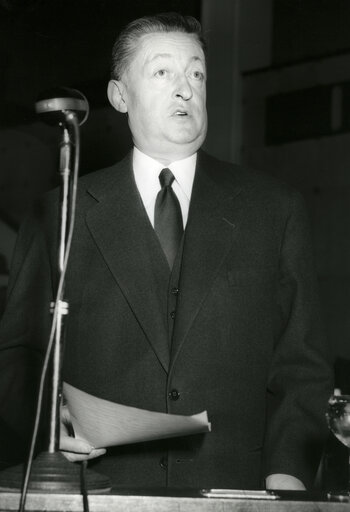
x=300, y=378
x=24, y=330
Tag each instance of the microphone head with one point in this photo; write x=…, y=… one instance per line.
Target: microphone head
x=55, y=104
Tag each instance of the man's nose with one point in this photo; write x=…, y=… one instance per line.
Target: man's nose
x=183, y=88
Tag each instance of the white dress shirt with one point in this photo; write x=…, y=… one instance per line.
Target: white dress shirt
x=146, y=172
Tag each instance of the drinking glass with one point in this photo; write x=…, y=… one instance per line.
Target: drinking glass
x=338, y=418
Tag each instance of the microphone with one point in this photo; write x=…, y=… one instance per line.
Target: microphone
x=54, y=105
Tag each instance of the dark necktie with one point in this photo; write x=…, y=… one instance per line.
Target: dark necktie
x=167, y=217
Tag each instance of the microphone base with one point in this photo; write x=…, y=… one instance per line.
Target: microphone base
x=53, y=473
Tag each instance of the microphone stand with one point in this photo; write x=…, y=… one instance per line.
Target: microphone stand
x=51, y=471
x=66, y=151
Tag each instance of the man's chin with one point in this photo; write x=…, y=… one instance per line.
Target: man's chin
x=187, y=138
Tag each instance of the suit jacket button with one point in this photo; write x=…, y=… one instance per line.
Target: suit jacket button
x=175, y=291
x=172, y=315
x=174, y=394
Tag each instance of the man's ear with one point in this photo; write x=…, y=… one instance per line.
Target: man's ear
x=115, y=92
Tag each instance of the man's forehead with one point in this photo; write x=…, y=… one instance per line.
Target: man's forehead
x=169, y=44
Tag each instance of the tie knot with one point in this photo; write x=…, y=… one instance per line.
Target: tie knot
x=166, y=178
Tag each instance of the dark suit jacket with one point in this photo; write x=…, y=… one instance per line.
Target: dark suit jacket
x=247, y=341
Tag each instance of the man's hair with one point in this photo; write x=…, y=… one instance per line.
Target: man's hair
x=126, y=44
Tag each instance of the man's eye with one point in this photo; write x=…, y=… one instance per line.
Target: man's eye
x=198, y=75
x=161, y=73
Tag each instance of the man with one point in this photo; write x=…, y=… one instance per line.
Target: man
x=223, y=318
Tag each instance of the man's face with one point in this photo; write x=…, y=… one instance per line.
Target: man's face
x=164, y=90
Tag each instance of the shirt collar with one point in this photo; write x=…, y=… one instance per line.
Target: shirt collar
x=146, y=172
x=184, y=171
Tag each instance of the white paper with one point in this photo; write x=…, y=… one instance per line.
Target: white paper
x=104, y=423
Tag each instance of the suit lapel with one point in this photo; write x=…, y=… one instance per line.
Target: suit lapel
x=213, y=218
x=122, y=231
